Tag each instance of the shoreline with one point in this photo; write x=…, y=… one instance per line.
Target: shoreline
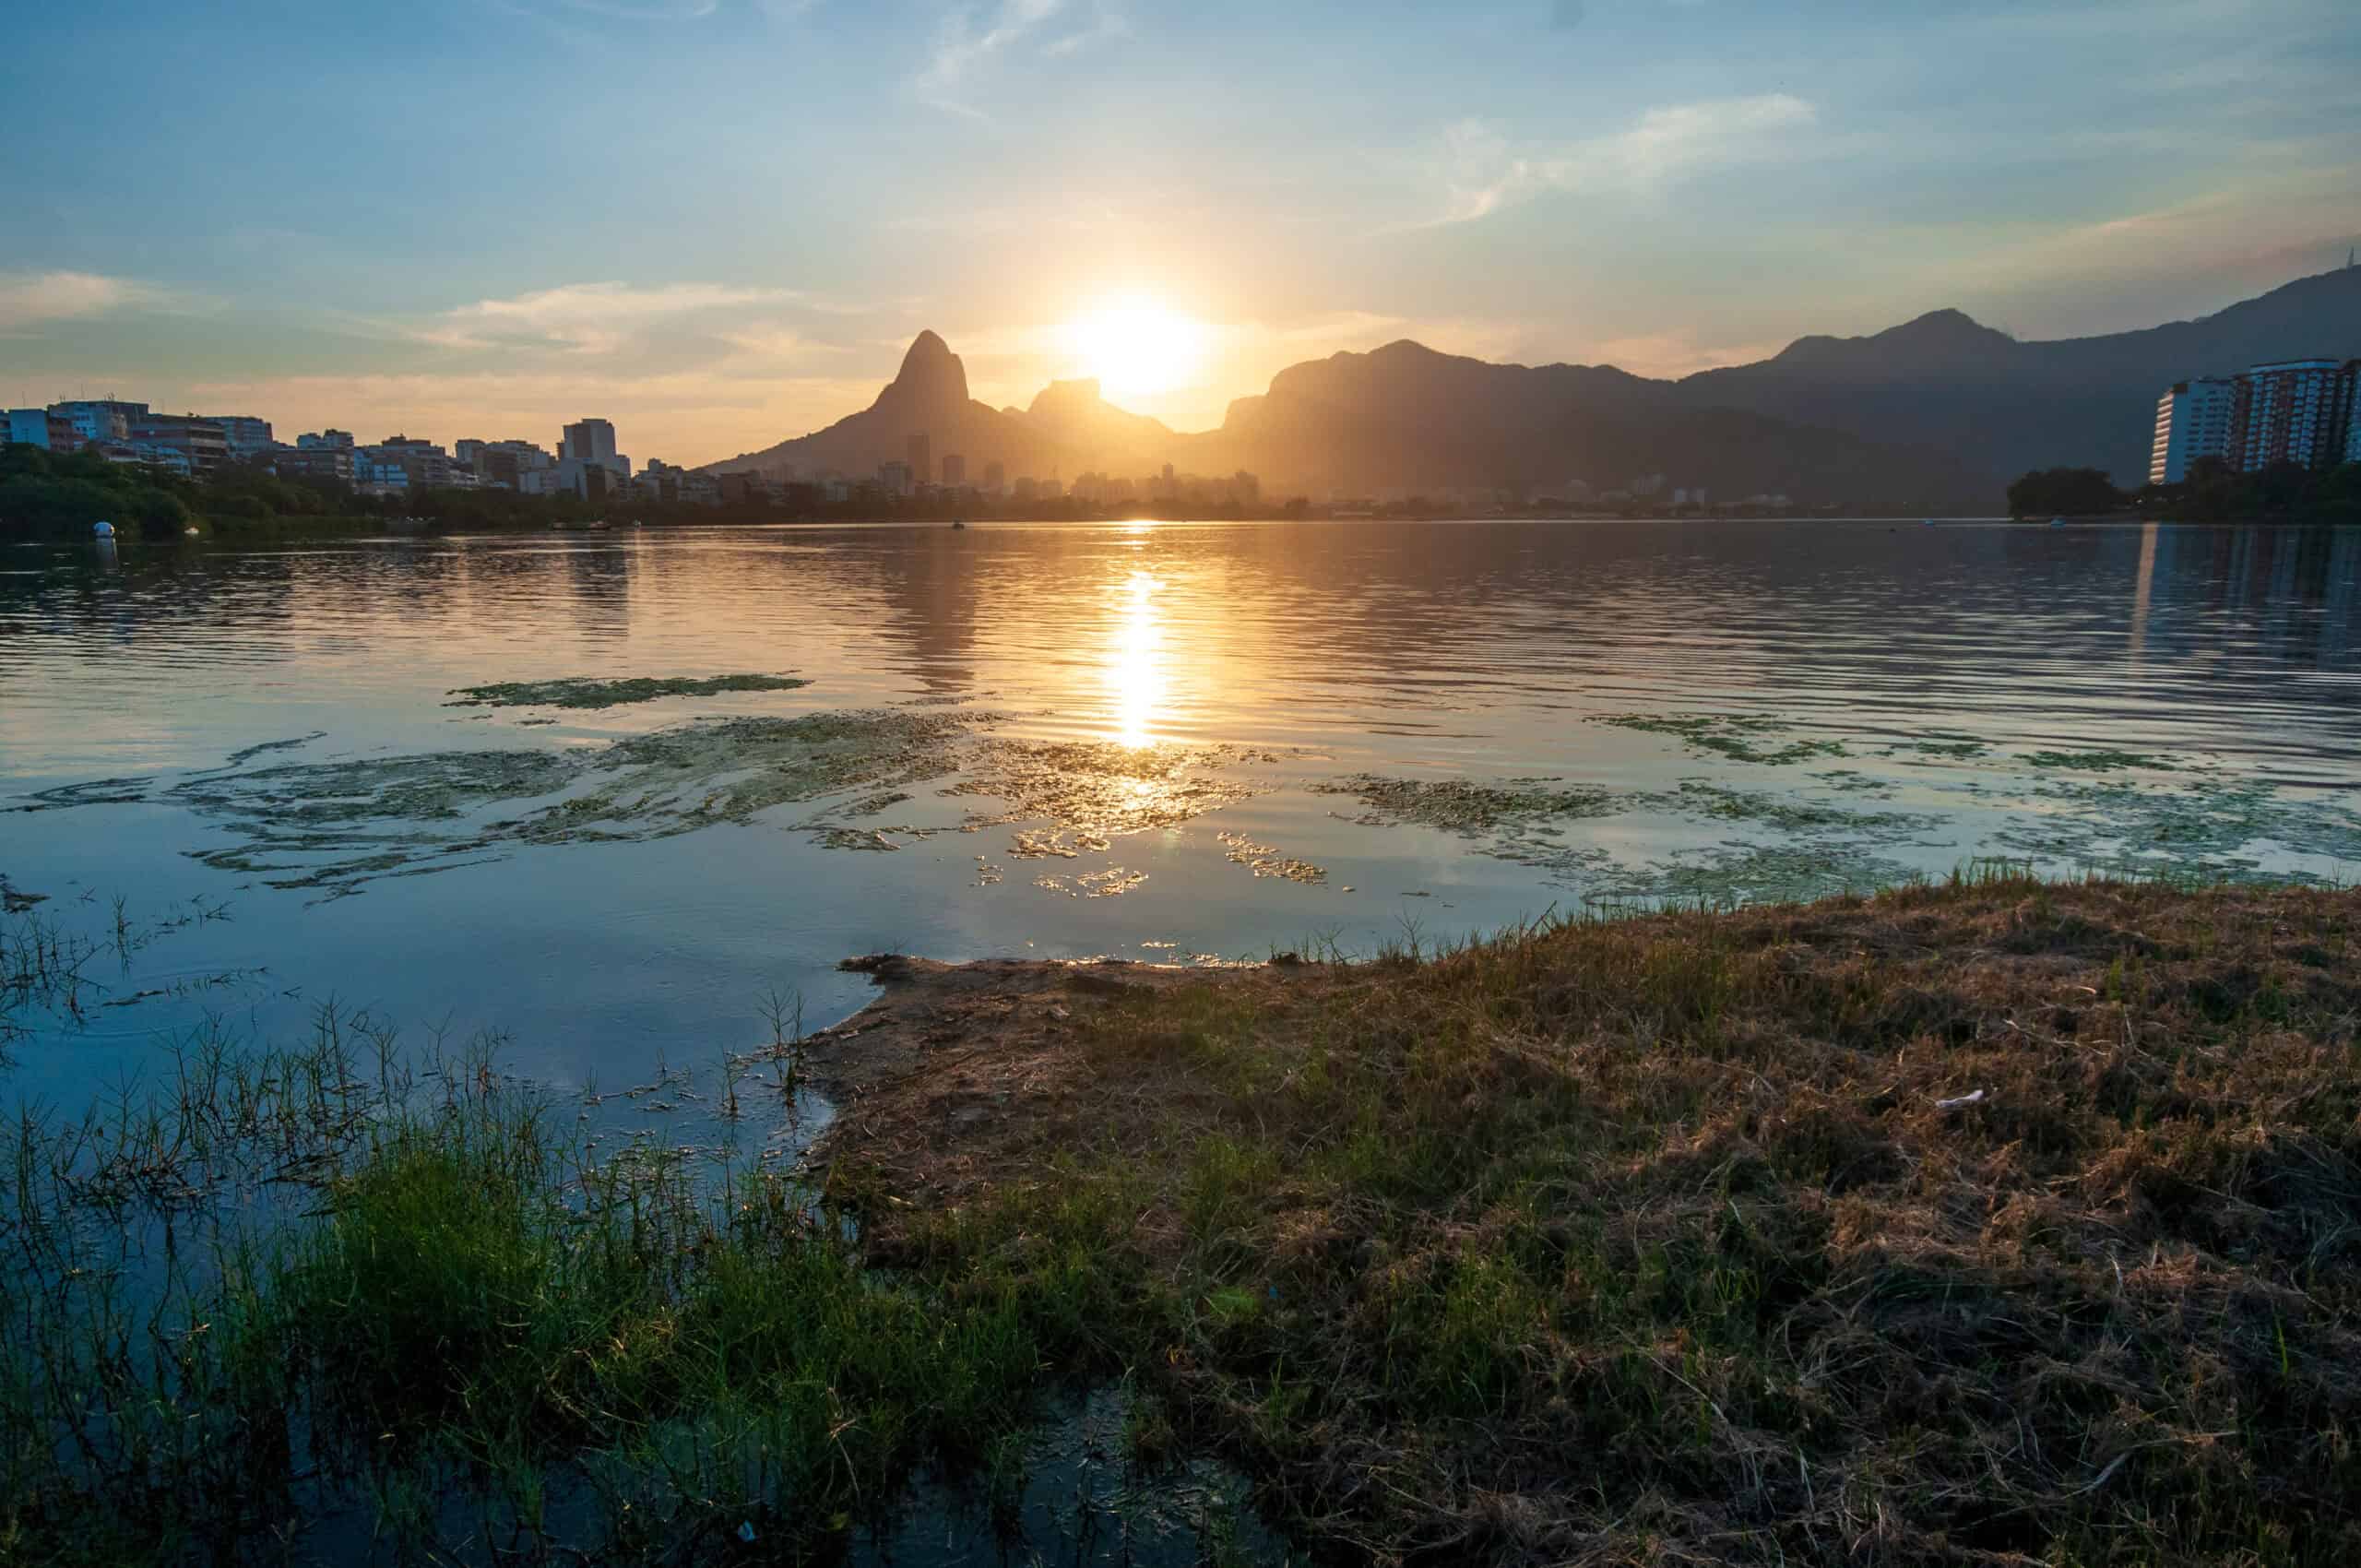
x=1962, y=1202
x=1988, y=1223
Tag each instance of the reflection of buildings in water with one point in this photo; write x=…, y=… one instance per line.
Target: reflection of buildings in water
x=599, y=583
x=2298, y=587
x=2142, y=586
x=929, y=582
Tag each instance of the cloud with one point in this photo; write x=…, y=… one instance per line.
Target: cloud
x=590, y=318
x=1485, y=171
x=27, y=299
x=966, y=46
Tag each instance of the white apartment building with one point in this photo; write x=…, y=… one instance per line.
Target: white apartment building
x=2193, y=420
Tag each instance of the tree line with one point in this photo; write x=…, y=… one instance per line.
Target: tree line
x=2213, y=492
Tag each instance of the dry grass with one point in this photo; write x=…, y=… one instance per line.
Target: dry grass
x=1654, y=1242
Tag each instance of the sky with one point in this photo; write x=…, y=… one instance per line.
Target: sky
x=720, y=222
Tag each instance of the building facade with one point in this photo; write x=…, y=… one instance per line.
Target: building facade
x=2194, y=420
x=2300, y=411
x=101, y=418
x=921, y=457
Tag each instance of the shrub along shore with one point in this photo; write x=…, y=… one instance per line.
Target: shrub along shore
x=1998, y=1223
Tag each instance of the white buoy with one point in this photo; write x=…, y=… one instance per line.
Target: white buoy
x=102, y=531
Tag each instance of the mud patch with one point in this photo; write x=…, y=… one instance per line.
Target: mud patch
x=588, y=692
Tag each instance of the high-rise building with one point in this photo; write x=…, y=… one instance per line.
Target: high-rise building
x=2291, y=414
x=955, y=470
x=587, y=440
x=995, y=476
x=2301, y=412
x=898, y=477
x=2194, y=420
x=921, y=457
x=330, y=440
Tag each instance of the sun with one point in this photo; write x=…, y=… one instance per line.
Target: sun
x=1136, y=346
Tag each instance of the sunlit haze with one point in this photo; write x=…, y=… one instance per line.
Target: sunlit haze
x=720, y=222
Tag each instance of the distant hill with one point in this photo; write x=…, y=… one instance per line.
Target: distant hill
x=1069, y=428
x=1939, y=413
x=2006, y=407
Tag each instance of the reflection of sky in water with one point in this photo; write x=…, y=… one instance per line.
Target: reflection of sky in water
x=1470, y=652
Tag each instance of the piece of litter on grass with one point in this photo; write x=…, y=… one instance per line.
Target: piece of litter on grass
x=746, y=1530
x=1976, y=1099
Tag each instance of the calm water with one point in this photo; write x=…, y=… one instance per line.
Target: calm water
x=1645, y=710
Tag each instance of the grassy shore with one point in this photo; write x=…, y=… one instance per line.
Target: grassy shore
x=1994, y=1224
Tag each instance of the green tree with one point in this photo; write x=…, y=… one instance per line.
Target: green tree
x=2064, y=491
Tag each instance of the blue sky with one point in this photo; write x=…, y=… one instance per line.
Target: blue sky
x=720, y=221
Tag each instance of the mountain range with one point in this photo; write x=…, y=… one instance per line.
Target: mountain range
x=1939, y=413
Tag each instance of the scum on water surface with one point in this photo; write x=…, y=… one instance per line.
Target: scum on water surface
x=588, y=692
x=339, y=824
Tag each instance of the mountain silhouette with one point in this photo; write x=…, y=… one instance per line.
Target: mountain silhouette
x=1069, y=428
x=2006, y=406
x=1937, y=413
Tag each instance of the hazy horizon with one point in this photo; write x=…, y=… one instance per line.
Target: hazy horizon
x=720, y=223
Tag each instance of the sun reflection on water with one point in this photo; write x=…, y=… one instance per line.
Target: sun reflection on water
x=1135, y=672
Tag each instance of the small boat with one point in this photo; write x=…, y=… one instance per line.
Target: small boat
x=188, y=533
x=2057, y=522
x=1926, y=522
x=958, y=523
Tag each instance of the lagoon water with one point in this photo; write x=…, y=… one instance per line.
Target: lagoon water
x=1162, y=741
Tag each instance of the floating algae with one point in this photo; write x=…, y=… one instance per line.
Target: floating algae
x=1725, y=734
x=1787, y=814
x=2204, y=830
x=1957, y=748
x=1265, y=861
x=2095, y=761
x=342, y=823
x=1094, y=791
x=96, y=792
x=1458, y=806
x=1112, y=882
x=1756, y=874
x=588, y=692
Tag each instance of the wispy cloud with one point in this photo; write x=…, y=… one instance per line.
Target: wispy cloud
x=1485, y=170
x=30, y=299
x=589, y=318
x=969, y=43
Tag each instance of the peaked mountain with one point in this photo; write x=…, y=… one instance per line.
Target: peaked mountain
x=1939, y=413
x=1069, y=428
x=2007, y=406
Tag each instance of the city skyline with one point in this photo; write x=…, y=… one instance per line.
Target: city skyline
x=704, y=220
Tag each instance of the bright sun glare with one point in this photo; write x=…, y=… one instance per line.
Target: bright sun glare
x=1136, y=346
